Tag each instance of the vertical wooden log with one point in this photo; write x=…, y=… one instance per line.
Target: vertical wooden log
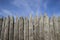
x=11, y=28
x=3, y=28
x=21, y=28
x=41, y=35
x=26, y=27
x=56, y=32
x=31, y=28
x=6, y=32
x=51, y=28
x=46, y=27
x=36, y=28
x=0, y=26
x=16, y=29
x=59, y=27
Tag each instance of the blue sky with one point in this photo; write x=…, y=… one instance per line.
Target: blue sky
x=27, y=7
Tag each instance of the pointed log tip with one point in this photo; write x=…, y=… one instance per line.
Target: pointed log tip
x=45, y=14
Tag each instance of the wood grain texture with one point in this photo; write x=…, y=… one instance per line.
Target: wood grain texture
x=37, y=28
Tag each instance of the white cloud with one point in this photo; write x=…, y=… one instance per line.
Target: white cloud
x=20, y=3
x=25, y=6
x=23, y=3
x=32, y=6
x=8, y=13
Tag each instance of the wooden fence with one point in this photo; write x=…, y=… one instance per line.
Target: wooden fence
x=38, y=28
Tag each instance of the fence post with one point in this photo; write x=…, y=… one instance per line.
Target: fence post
x=3, y=29
x=41, y=28
x=51, y=28
x=1, y=20
x=31, y=28
x=36, y=28
x=11, y=28
x=16, y=29
x=46, y=27
x=21, y=28
x=26, y=27
x=55, y=21
x=6, y=32
x=59, y=27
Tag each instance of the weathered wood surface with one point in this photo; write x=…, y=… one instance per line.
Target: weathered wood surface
x=11, y=28
x=59, y=27
x=6, y=31
x=56, y=29
x=16, y=29
x=26, y=29
x=40, y=28
x=3, y=28
x=1, y=21
x=46, y=27
x=21, y=28
x=31, y=28
x=36, y=29
x=51, y=29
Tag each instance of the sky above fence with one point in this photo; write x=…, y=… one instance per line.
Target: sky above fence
x=27, y=7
